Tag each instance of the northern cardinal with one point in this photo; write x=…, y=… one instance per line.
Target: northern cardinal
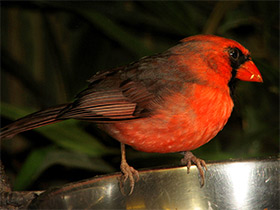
x=170, y=102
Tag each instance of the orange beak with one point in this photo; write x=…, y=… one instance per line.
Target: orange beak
x=249, y=72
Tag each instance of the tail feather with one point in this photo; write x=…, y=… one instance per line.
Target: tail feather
x=34, y=120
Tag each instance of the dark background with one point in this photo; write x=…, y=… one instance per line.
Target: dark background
x=49, y=50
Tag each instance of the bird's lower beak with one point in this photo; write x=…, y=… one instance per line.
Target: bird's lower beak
x=249, y=72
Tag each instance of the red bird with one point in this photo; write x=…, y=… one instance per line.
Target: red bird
x=174, y=101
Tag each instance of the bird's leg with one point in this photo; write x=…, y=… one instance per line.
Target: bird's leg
x=189, y=158
x=128, y=172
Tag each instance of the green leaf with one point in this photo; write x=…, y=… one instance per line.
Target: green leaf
x=41, y=159
x=13, y=112
x=28, y=172
x=69, y=135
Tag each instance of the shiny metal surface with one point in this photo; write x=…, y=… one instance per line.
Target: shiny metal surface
x=242, y=185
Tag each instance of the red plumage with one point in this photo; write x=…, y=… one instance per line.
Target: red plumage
x=170, y=102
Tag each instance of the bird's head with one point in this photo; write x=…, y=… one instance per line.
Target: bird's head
x=214, y=56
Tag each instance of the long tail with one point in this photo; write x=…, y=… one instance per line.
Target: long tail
x=34, y=120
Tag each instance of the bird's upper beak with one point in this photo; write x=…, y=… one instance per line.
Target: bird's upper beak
x=249, y=72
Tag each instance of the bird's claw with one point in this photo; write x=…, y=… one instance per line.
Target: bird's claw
x=200, y=164
x=130, y=173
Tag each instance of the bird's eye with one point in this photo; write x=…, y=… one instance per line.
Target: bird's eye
x=234, y=53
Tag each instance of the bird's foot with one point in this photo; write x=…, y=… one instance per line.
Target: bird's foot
x=188, y=159
x=130, y=173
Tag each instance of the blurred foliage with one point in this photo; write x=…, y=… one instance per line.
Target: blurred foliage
x=49, y=49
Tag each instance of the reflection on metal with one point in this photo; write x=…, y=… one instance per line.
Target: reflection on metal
x=240, y=179
x=250, y=184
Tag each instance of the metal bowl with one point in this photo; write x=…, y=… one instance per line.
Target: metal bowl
x=252, y=184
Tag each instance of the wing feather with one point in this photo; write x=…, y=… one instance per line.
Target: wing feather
x=127, y=92
x=105, y=105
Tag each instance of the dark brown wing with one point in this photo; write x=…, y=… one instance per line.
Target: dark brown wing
x=110, y=99
x=127, y=92
x=99, y=106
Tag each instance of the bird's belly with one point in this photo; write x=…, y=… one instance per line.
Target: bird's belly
x=175, y=128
